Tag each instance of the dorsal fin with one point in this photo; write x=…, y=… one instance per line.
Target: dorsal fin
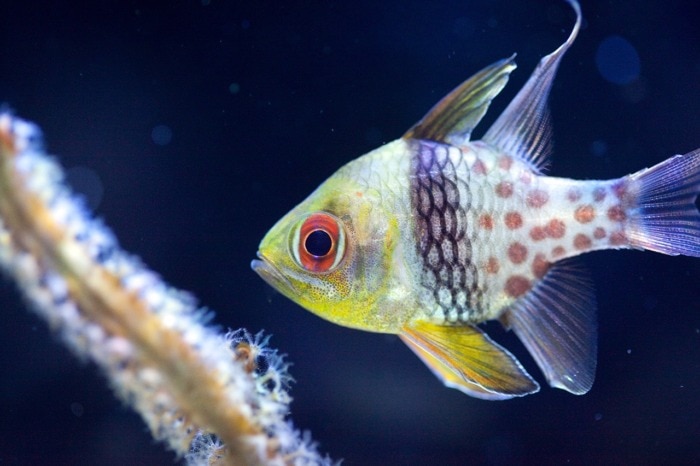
x=454, y=117
x=523, y=129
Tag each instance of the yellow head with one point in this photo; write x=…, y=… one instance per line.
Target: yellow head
x=334, y=253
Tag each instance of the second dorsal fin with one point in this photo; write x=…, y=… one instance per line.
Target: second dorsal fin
x=523, y=129
x=454, y=117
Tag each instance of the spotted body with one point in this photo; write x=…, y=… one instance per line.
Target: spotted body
x=488, y=228
x=432, y=234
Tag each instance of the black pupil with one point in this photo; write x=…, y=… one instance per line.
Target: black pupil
x=318, y=243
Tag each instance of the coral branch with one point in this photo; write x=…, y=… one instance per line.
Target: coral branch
x=201, y=392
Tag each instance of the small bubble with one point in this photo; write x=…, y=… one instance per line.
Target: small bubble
x=598, y=416
x=234, y=88
x=77, y=409
x=617, y=60
x=245, y=24
x=161, y=135
x=629, y=351
x=206, y=2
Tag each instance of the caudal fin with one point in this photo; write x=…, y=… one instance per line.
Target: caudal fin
x=665, y=218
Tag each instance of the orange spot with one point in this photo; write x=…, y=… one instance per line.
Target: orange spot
x=619, y=238
x=558, y=251
x=505, y=162
x=538, y=233
x=486, y=222
x=620, y=189
x=358, y=193
x=479, y=168
x=582, y=242
x=525, y=178
x=599, y=233
x=616, y=213
x=599, y=194
x=516, y=286
x=537, y=198
x=504, y=189
x=585, y=214
x=492, y=265
x=540, y=265
x=555, y=228
x=573, y=195
x=513, y=220
x=517, y=253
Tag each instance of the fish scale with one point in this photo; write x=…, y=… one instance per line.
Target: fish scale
x=433, y=234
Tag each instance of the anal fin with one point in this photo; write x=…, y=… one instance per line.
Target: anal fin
x=465, y=358
x=556, y=322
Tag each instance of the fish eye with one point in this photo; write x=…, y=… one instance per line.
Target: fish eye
x=318, y=243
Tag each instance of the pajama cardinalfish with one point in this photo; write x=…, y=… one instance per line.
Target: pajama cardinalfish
x=432, y=234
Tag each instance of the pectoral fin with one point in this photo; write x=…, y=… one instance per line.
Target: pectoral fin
x=465, y=358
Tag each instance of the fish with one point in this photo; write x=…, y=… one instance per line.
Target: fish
x=433, y=234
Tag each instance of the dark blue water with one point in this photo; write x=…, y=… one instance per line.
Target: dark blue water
x=192, y=128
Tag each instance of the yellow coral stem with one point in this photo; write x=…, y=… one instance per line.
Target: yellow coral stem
x=199, y=391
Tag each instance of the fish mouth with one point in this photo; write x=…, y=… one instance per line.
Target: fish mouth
x=264, y=267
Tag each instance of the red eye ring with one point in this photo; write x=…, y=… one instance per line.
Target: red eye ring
x=318, y=244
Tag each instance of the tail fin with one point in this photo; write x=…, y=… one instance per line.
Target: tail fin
x=666, y=218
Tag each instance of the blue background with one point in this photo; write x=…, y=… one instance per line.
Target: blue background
x=316, y=84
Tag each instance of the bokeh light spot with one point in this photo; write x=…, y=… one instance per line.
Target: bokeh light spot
x=162, y=135
x=617, y=60
x=77, y=409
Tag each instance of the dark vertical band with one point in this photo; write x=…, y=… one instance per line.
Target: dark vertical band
x=441, y=199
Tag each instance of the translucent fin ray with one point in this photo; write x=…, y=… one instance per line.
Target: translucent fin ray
x=665, y=218
x=454, y=117
x=465, y=358
x=523, y=129
x=556, y=322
